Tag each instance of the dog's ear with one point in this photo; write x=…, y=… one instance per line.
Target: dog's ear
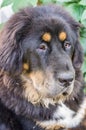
x=78, y=51
x=78, y=56
x=11, y=51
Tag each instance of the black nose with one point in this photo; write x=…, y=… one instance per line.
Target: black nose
x=66, y=79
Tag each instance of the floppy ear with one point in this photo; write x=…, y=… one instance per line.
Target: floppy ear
x=78, y=56
x=78, y=51
x=11, y=51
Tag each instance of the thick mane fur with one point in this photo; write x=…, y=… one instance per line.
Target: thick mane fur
x=16, y=36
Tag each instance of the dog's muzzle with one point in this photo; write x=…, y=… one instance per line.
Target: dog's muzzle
x=65, y=79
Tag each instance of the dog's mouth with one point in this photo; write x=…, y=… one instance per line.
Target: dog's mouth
x=39, y=89
x=67, y=91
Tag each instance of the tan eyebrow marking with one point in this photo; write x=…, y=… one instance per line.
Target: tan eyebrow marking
x=25, y=66
x=46, y=37
x=62, y=36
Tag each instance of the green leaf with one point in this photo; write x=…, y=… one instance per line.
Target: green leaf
x=83, y=18
x=83, y=42
x=33, y=2
x=22, y=3
x=84, y=66
x=67, y=1
x=83, y=33
x=47, y=1
x=1, y=25
x=62, y=1
x=75, y=10
x=84, y=15
x=85, y=88
x=82, y=2
x=6, y=2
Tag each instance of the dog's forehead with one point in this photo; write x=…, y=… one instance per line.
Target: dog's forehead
x=51, y=21
x=48, y=11
x=50, y=27
x=53, y=25
x=49, y=15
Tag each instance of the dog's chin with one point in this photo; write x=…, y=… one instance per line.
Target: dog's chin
x=64, y=91
x=57, y=98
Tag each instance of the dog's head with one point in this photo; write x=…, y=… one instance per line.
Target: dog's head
x=42, y=46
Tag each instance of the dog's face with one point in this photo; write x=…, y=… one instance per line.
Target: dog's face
x=42, y=46
x=48, y=56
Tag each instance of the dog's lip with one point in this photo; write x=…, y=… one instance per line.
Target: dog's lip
x=63, y=91
x=67, y=91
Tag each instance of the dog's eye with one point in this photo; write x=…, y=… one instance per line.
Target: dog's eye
x=67, y=45
x=43, y=47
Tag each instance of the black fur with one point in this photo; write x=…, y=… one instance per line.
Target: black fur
x=18, y=40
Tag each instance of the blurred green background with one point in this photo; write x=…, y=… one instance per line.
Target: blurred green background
x=77, y=9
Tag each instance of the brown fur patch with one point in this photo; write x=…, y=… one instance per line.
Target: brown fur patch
x=46, y=37
x=50, y=127
x=25, y=66
x=62, y=36
x=30, y=92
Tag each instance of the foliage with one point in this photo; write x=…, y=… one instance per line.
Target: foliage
x=77, y=8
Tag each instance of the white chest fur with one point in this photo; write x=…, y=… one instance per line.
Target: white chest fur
x=65, y=117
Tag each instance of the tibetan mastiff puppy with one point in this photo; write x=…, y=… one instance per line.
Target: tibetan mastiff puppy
x=41, y=83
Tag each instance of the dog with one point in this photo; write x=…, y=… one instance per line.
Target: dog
x=41, y=83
